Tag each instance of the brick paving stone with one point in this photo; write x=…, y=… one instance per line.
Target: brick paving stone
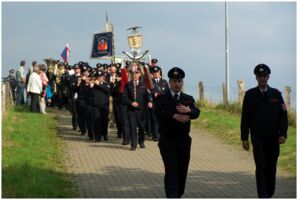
x=110, y=170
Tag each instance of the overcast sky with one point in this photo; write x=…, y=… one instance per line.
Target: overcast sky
x=189, y=35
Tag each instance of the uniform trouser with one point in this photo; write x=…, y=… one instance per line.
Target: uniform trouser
x=117, y=117
x=266, y=152
x=74, y=111
x=147, y=121
x=20, y=94
x=60, y=97
x=34, y=102
x=101, y=120
x=124, y=122
x=136, y=119
x=175, y=155
x=154, y=124
x=82, y=118
x=90, y=119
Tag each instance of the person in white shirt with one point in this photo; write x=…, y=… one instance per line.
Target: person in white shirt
x=34, y=87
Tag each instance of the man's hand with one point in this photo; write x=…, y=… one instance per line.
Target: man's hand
x=282, y=140
x=181, y=118
x=96, y=81
x=150, y=105
x=134, y=104
x=183, y=109
x=245, y=145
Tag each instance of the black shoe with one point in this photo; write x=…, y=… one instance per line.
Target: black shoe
x=97, y=140
x=156, y=139
x=133, y=148
x=119, y=136
x=125, y=143
x=105, y=138
x=142, y=146
x=74, y=128
x=90, y=138
x=83, y=133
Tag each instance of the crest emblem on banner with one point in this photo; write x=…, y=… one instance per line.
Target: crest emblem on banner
x=102, y=45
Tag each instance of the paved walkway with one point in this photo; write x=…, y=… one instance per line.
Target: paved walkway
x=110, y=170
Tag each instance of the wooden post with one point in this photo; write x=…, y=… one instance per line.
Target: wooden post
x=288, y=97
x=3, y=91
x=224, y=92
x=201, y=91
x=241, y=91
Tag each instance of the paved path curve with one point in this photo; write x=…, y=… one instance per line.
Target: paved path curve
x=110, y=170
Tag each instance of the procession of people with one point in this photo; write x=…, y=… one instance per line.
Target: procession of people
x=144, y=103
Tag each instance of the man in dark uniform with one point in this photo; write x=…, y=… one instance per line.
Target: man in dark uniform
x=101, y=92
x=137, y=98
x=160, y=86
x=264, y=116
x=174, y=111
x=74, y=95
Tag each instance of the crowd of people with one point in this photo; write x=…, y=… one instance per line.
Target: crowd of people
x=122, y=95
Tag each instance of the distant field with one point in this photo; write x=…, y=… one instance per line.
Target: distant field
x=226, y=126
x=31, y=157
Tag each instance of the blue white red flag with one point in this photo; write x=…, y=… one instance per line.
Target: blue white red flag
x=65, y=53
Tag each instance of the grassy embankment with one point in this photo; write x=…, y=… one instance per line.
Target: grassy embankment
x=225, y=123
x=32, y=164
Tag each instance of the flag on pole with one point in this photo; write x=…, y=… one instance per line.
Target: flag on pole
x=65, y=53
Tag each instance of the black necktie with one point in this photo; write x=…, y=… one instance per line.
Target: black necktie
x=176, y=97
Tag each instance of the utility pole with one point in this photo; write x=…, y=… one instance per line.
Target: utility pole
x=227, y=53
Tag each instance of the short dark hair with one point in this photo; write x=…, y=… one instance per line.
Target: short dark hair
x=34, y=63
x=23, y=63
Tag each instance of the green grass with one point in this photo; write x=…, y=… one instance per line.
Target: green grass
x=31, y=156
x=226, y=125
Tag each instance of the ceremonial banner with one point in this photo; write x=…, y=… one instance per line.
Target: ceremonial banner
x=102, y=45
x=65, y=53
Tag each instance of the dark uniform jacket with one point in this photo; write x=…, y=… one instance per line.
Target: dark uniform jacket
x=142, y=95
x=159, y=87
x=166, y=108
x=100, y=95
x=263, y=115
x=73, y=88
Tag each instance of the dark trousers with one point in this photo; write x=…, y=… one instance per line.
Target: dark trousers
x=82, y=117
x=100, y=124
x=34, y=102
x=136, y=119
x=90, y=121
x=175, y=154
x=117, y=116
x=124, y=122
x=154, y=124
x=74, y=112
x=266, y=152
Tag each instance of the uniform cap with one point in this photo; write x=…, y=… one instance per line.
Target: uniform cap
x=61, y=64
x=262, y=69
x=176, y=73
x=99, y=74
x=154, y=60
x=155, y=69
x=76, y=66
x=11, y=71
